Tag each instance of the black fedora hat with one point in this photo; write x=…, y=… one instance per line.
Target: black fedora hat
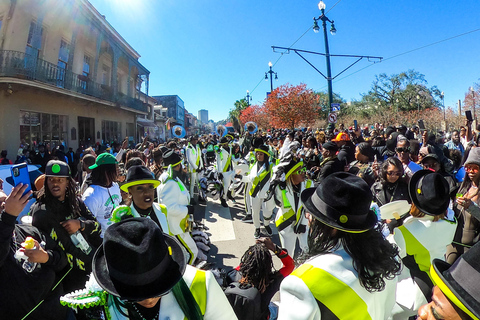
x=429, y=192
x=139, y=175
x=137, y=261
x=341, y=201
x=460, y=282
x=170, y=157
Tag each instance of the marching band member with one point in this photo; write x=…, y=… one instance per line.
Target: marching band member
x=174, y=195
x=258, y=184
x=224, y=166
x=195, y=164
x=288, y=182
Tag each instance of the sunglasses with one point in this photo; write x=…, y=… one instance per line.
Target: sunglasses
x=400, y=150
x=473, y=169
x=394, y=173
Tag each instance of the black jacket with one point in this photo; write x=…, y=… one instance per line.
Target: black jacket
x=48, y=221
x=330, y=166
x=381, y=195
x=21, y=291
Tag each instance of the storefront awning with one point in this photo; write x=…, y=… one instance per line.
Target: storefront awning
x=146, y=123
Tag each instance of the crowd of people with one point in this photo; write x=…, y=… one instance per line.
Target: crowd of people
x=373, y=223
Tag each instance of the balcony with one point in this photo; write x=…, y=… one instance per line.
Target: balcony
x=19, y=65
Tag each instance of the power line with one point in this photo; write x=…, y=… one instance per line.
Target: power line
x=407, y=52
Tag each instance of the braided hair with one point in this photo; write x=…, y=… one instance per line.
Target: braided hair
x=256, y=267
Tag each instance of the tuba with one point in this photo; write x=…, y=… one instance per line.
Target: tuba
x=251, y=127
x=178, y=131
x=221, y=130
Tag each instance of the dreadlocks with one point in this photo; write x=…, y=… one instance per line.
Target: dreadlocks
x=45, y=196
x=256, y=267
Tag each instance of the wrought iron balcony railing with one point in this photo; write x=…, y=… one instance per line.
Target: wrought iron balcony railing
x=24, y=66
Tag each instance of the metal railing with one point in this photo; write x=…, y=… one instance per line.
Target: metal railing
x=24, y=66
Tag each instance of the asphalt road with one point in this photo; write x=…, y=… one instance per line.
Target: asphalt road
x=229, y=236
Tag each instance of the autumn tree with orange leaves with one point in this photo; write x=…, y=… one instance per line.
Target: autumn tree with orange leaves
x=292, y=106
x=256, y=114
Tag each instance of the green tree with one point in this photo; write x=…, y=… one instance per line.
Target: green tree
x=404, y=92
x=323, y=103
x=234, y=114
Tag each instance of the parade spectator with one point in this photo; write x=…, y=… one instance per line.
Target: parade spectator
x=348, y=256
x=431, y=162
x=330, y=163
x=456, y=294
x=60, y=214
x=3, y=158
x=455, y=142
x=88, y=160
x=422, y=237
x=346, y=148
x=403, y=154
x=362, y=166
x=467, y=209
x=392, y=185
x=103, y=194
x=250, y=297
x=27, y=284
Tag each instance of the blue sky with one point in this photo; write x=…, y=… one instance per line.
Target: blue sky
x=209, y=52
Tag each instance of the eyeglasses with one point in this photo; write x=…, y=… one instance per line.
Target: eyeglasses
x=470, y=168
x=400, y=150
x=394, y=173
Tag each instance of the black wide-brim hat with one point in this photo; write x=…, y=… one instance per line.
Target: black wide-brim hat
x=170, y=157
x=429, y=192
x=460, y=282
x=139, y=175
x=137, y=261
x=341, y=201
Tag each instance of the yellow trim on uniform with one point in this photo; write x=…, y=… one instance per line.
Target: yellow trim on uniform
x=127, y=185
x=199, y=290
x=336, y=295
x=295, y=167
x=174, y=165
x=420, y=254
x=260, y=150
x=448, y=293
x=190, y=261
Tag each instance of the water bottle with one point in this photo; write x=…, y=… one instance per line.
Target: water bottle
x=80, y=242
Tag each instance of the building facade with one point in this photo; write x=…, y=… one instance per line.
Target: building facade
x=203, y=116
x=175, y=108
x=66, y=77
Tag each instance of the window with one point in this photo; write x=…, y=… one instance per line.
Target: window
x=111, y=131
x=34, y=40
x=36, y=127
x=86, y=65
x=63, y=54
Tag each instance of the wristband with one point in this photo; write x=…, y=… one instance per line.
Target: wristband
x=82, y=225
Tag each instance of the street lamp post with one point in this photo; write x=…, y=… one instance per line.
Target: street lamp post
x=271, y=72
x=333, y=31
x=248, y=98
x=473, y=102
x=418, y=104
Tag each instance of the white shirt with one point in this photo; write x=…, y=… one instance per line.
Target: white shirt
x=101, y=201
